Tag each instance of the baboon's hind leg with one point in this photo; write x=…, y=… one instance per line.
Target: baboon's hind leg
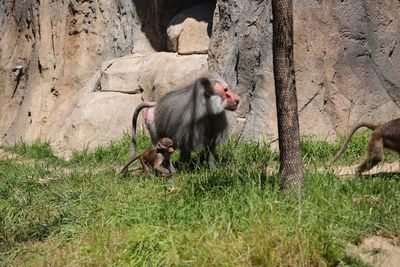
x=374, y=156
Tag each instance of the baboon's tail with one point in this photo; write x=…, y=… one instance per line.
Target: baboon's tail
x=355, y=128
x=134, y=122
x=132, y=159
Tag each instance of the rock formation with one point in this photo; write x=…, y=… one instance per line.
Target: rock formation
x=72, y=71
x=49, y=51
x=189, y=31
x=346, y=55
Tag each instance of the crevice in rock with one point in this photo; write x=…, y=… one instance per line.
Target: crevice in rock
x=236, y=67
x=38, y=22
x=391, y=88
x=21, y=73
x=12, y=7
x=133, y=92
x=107, y=67
x=97, y=86
x=40, y=67
x=30, y=117
x=52, y=42
x=309, y=101
x=392, y=50
x=54, y=91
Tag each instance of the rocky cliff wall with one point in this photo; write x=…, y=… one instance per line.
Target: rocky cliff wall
x=347, y=62
x=59, y=82
x=49, y=51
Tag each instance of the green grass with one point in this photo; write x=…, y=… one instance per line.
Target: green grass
x=235, y=216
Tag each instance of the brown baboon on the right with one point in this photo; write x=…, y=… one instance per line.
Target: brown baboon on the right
x=386, y=135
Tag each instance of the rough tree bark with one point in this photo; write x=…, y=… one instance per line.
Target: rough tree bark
x=291, y=165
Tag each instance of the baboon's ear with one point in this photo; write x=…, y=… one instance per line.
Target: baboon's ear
x=160, y=146
x=206, y=84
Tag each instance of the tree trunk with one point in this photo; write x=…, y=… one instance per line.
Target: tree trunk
x=291, y=165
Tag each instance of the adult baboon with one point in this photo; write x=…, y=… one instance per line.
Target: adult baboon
x=157, y=157
x=193, y=117
x=386, y=135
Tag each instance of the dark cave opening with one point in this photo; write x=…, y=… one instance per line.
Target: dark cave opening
x=156, y=15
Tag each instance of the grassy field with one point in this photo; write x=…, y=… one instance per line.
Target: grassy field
x=82, y=213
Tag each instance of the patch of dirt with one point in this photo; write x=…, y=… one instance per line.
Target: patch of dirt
x=383, y=167
x=377, y=251
x=7, y=154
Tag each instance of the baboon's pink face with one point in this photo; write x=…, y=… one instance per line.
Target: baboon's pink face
x=231, y=99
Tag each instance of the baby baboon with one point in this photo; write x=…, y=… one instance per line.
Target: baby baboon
x=158, y=158
x=386, y=135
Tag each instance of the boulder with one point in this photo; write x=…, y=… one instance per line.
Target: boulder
x=98, y=119
x=154, y=74
x=189, y=31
